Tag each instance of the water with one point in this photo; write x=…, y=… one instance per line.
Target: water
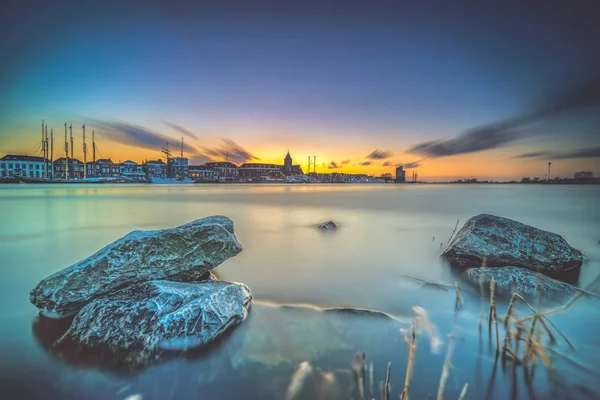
x=385, y=231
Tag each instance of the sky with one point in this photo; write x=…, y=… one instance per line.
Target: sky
x=450, y=89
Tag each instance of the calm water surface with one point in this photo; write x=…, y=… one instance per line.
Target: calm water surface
x=385, y=231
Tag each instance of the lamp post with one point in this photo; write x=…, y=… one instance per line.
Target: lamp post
x=548, y=176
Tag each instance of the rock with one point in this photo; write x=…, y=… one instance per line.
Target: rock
x=487, y=240
x=327, y=225
x=528, y=284
x=184, y=253
x=139, y=322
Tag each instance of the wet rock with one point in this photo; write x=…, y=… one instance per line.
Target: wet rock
x=329, y=225
x=530, y=285
x=139, y=322
x=184, y=253
x=488, y=240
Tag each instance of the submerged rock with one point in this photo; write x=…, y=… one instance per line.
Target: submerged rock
x=140, y=321
x=488, y=240
x=184, y=253
x=327, y=225
x=528, y=284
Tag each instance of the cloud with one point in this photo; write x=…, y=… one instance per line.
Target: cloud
x=379, y=155
x=590, y=152
x=333, y=165
x=533, y=154
x=386, y=164
x=345, y=162
x=230, y=150
x=181, y=129
x=410, y=165
x=504, y=132
x=139, y=136
x=365, y=163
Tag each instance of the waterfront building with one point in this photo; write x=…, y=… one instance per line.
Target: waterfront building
x=400, y=174
x=28, y=166
x=177, y=168
x=201, y=173
x=131, y=169
x=258, y=171
x=224, y=170
x=155, y=169
x=103, y=168
x=75, y=169
x=288, y=168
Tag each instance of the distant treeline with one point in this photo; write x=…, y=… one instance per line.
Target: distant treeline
x=579, y=178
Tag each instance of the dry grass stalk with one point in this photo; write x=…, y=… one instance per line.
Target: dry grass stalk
x=446, y=368
x=458, y=304
x=454, y=231
x=493, y=315
x=371, y=380
x=386, y=393
x=463, y=392
x=409, y=366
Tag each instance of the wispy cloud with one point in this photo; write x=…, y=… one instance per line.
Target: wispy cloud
x=230, y=150
x=590, y=152
x=345, y=162
x=139, y=136
x=386, y=164
x=333, y=165
x=365, y=163
x=501, y=133
x=379, y=155
x=181, y=129
x=414, y=164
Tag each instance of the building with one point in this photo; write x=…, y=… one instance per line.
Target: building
x=103, y=168
x=258, y=171
x=29, y=166
x=400, y=174
x=201, y=173
x=75, y=169
x=288, y=168
x=131, y=169
x=155, y=169
x=177, y=168
x=224, y=170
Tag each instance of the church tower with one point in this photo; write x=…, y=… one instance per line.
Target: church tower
x=287, y=162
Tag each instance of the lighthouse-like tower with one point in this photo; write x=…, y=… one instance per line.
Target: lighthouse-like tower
x=287, y=162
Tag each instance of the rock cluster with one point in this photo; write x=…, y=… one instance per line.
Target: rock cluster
x=517, y=256
x=150, y=290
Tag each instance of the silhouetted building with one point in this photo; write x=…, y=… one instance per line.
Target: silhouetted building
x=155, y=169
x=224, y=170
x=400, y=174
x=177, y=168
x=288, y=168
x=201, y=173
x=258, y=171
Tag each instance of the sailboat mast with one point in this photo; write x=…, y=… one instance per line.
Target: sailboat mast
x=51, y=153
x=72, y=158
x=45, y=174
x=181, y=160
x=66, y=154
x=84, y=155
x=94, y=152
x=43, y=147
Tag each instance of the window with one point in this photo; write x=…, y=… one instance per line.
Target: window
x=30, y=166
x=10, y=166
x=23, y=166
x=37, y=166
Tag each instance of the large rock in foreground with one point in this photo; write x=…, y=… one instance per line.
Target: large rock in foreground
x=184, y=253
x=158, y=316
x=487, y=240
x=530, y=285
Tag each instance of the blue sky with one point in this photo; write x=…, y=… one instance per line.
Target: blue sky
x=336, y=79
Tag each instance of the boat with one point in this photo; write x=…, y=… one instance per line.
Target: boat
x=9, y=179
x=24, y=179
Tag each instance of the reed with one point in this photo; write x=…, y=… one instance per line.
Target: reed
x=446, y=368
x=371, y=381
x=458, y=303
x=386, y=393
x=493, y=315
x=409, y=366
x=463, y=392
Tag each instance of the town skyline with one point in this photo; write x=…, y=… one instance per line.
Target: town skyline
x=364, y=87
